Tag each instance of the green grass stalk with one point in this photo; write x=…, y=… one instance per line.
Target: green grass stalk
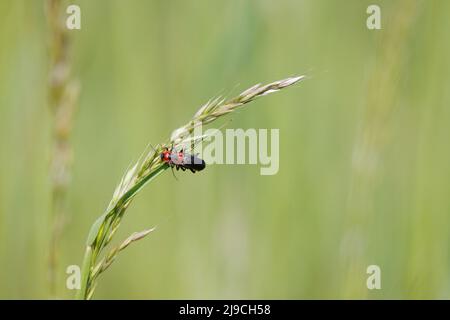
x=147, y=168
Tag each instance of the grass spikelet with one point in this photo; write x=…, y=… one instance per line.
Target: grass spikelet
x=147, y=168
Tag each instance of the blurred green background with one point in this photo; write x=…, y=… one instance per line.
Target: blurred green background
x=364, y=156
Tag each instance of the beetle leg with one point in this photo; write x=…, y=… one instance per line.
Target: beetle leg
x=173, y=173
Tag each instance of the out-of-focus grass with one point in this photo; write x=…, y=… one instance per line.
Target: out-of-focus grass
x=146, y=66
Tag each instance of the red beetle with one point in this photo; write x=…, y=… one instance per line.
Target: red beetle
x=182, y=160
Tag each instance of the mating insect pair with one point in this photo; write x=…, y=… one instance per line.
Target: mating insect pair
x=182, y=160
